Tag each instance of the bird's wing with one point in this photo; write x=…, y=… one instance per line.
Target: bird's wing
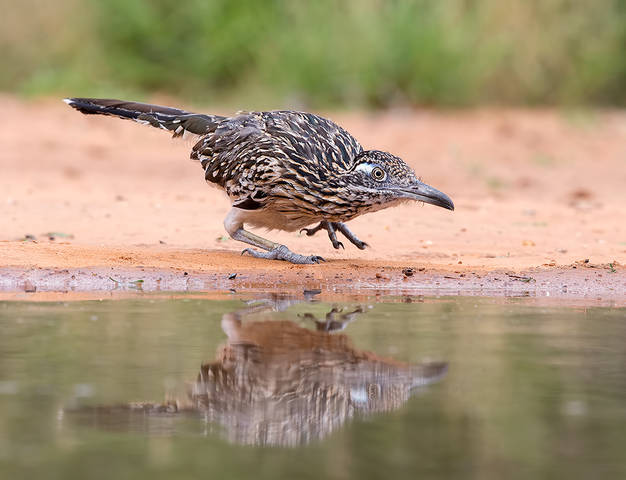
x=309, y=138
x=248, y=155
x=239, y=156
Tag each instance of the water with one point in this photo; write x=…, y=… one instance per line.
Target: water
x=228, y=388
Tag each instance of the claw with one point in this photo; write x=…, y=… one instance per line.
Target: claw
x=338, y=244
x=312, y=231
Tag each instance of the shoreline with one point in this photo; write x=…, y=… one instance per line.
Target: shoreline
x=589, y=286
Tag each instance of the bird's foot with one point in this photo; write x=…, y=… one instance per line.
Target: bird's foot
x=342, y=227
x=330, y=228
x=283, y=253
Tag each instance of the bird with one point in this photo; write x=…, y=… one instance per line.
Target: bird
x=285, y=170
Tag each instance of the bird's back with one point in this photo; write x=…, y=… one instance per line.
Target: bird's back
x=261, y=157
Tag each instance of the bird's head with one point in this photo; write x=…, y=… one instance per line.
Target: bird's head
x=386, y=179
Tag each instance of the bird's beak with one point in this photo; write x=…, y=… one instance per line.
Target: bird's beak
x=427, y=194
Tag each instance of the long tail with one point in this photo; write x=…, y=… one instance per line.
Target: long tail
x=166, y=118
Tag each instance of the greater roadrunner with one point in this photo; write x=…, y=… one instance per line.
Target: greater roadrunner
x=283, y=170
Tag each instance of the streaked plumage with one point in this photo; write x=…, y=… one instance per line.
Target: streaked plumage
x=283, y=170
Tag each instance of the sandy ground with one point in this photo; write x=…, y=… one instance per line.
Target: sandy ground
x=536, y=193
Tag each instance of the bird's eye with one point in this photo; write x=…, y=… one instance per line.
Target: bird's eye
x=378, y=174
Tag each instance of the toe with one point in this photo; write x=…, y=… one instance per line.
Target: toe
x=254, y=253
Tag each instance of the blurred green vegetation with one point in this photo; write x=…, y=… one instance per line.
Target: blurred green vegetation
x=323, y=53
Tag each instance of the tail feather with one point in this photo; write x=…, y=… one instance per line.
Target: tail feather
x=166, y=118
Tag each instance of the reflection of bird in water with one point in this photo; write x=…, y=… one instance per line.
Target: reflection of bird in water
x=335, y=320
x=277, y=383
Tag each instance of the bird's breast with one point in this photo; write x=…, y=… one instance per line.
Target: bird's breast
x=274, y=219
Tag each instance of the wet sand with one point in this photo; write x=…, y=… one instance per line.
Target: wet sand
x=95, y=204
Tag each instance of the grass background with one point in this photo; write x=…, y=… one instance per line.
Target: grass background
x=320, y=54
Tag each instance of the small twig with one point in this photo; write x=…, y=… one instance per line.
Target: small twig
x=521, y=278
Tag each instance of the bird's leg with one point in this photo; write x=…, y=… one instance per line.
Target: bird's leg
x=343, y=228
x=275, y=251
x=283, y=253
x=250, y=238
x=333, y=236
x=329, y=227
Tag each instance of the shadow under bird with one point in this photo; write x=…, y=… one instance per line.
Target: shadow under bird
x=283, y=170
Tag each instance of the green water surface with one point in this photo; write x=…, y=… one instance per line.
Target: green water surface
x=435, y=388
